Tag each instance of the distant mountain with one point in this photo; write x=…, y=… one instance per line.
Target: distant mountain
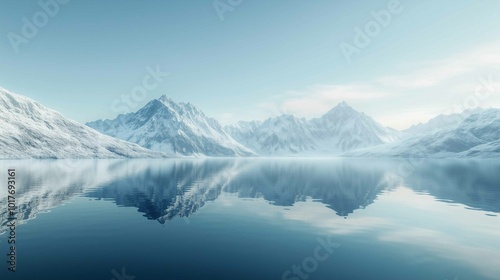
x=30, y=130
x=339, y=130
x=174, y=128
x=349, y=129
x=242, y=130
x=476, y=136
x=281, y=135
x=441, y=122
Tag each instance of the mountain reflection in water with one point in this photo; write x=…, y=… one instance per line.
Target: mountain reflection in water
x=165, y=189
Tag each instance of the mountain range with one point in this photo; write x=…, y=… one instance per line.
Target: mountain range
x=339, y=130
x=441, y=122
x=164, y=128
x=182, y=129
x=478, y=135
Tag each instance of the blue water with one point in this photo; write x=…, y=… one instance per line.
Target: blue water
x=254, y=219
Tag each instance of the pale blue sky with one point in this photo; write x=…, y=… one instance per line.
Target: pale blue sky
x=262, y=59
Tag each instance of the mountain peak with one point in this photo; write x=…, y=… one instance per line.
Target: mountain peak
x=343, y=104
x=342, y=109
x=174, y=128
x=165, y=98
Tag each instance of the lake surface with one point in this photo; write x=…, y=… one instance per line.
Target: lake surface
x=253, y=219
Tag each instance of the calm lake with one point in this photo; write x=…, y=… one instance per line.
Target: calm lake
x=286, y=218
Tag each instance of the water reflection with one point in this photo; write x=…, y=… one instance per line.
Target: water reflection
x=440, y=216
x=165, y=189
x=180, y=188
x=343, y=185
x=44, y=184
x=474, y=183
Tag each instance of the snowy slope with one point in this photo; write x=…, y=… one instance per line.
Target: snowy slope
x=174, y=128
x=339, y=130
x=281, y=135
x=476, y=136
x=242, y=130
x=30, y=130
x=441, y=122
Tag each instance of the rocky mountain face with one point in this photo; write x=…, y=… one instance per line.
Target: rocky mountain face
x=30, y=130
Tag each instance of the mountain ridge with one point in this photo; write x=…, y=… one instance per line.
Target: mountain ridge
x=475, y=136
x=441, y=121
x=31, y=130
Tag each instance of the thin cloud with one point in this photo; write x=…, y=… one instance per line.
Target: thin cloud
x=320, y=98
x=486, y=58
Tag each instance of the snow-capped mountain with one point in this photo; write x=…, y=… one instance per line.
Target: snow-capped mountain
x=173, y=128
x=441, y=122
x=347, y=129
x=476, y=136
x=339, y=130
x=30, y=130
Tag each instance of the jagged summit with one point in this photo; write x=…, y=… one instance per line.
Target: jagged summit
x=342, y=110
x=343, y=104
x=165, y=98
x=284, y=118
